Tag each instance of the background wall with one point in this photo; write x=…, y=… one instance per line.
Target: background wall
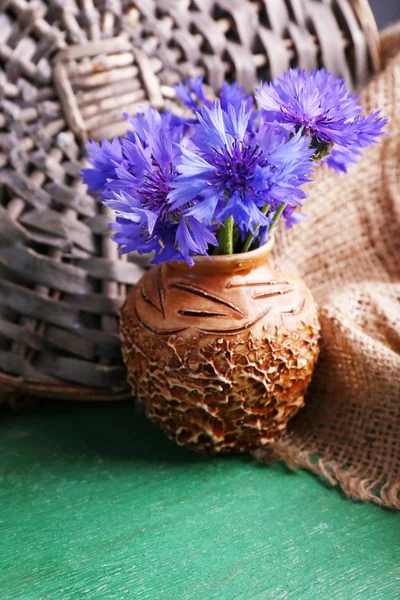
x=386, y=11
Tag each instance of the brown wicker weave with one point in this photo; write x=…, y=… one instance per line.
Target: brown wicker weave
x=68, y=70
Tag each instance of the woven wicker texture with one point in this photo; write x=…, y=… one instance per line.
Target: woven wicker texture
x=68, y=70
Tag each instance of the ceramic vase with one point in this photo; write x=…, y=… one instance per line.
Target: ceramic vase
x=220, y=354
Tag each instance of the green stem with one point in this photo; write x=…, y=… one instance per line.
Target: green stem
x=276, y=217
x=236, y=238
x=251, y=236
x=225, y=237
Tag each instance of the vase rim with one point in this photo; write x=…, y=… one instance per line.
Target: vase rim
x=227, y=263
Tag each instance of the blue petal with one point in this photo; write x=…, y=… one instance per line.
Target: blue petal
x=184, y=240
x=184, y=94
x=202, y=235
x=204, y=210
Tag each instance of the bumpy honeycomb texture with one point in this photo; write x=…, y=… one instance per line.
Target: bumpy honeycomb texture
x=221, y=362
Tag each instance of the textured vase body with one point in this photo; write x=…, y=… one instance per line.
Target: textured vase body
x=220, y=354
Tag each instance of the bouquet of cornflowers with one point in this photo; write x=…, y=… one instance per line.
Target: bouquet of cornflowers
x=219, y=181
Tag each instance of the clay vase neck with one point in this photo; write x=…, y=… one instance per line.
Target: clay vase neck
x=226, y=264
x=222, y=294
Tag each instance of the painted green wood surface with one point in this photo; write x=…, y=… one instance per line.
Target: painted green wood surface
x=97, y=504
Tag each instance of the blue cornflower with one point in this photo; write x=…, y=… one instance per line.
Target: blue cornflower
x=150, y=122
x=137, y=190
x=192, y=94
x=227, y=170
x=292, y=217
x=320, y=105
x=231, y=170
x=104, y=158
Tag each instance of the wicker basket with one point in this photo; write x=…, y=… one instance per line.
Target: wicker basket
x=68, y=70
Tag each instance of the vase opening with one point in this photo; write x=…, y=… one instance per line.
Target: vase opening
x=226, y=263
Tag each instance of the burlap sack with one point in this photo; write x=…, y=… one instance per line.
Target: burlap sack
x=349, y=255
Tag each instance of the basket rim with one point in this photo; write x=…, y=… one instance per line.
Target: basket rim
x=369, y=26
x=45, y=389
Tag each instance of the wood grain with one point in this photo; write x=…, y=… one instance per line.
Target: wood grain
x=96, y=503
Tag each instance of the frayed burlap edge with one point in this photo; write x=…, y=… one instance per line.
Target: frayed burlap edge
x=353, y=483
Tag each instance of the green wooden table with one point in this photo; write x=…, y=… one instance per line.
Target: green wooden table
x=97, y=504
